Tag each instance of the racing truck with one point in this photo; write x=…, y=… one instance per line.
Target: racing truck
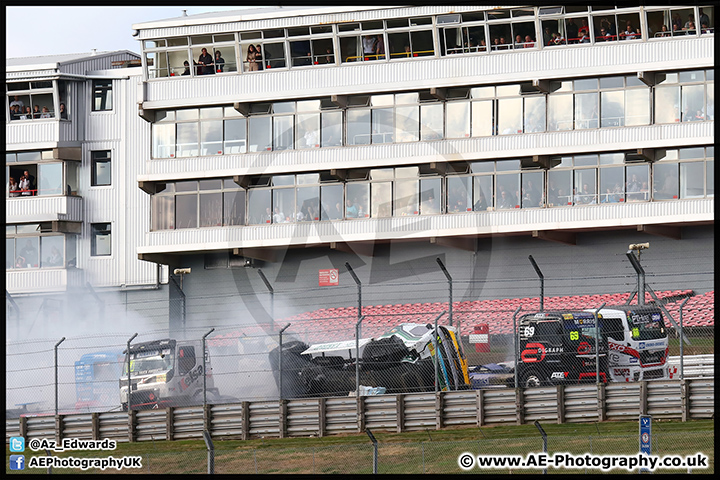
x=165, y=373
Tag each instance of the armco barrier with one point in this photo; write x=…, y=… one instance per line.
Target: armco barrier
x=663, y=399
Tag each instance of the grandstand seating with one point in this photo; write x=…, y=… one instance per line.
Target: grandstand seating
x=338, y=323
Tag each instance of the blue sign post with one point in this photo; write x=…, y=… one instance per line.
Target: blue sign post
x=645, y=436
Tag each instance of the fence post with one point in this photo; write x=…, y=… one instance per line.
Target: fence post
x=245, y=423
x=58, y=428
x=360, y=413
x=542, y=282
x=357, y=355
x=515, y=345
x=684, y=399
x=207, y=417
x=375, y=451
x=132, y=421
x=321, y=417
x=480, y=407
x=282, y=418
x=95, y=421
x=450, y=288
x=272, y=299
x=23, y=428
x=56, y=375
x=560, y=403
x=204, y=354
x=280, y=357
x=597, y=344
x=643, y=397
x=519, y=406
x=544, y=439
x=169, y=423
x=400, y=411
x=601, y=402
x=682, y=365
x=210, y=452
x=129, y=385
x=438, y=410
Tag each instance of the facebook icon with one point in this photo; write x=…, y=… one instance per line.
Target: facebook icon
x=17, y=462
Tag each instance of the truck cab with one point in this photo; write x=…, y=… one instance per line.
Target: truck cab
x=637, y=342
x=165, y=373
x=559, y=348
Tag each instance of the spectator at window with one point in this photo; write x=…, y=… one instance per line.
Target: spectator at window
x=63, y=112
x=24, y=186
x=27, y=114
x=608, y=196
x=584, y=38
x=187, y=68
x=380, y=47
x=676, y=22
x=629, y=32
x=328, y=57
x=252, y=59
x=219, y=62
x=13, y=187
x=584, y=28
x=18, y=102
x=36, y=112
x=571, y=29
x=14, y=112
x=547, y=35
x=480, y=204
x=664, y=31
x=278, y=216
x=690, y=24
x=633, y=189
x=503, y=44
x=29, y=253
x=205, y=61
x=699, y=116
x=609, y=27
x=518, y=41
x=506, y=199
x=55, y=259
x=45, y=113
x=20, y=262
x=704, y=19
x=259, y=56
x=369, y=47
x=529, y=43
x=351, y=209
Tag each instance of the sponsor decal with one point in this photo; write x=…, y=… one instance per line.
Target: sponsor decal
x=621, y=372
x=584, y=348
x=192, y=375
x=533, y=353
x=559, y=375
x=574, y=335
x=529, y=331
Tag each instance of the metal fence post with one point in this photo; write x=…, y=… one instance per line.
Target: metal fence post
x=56, y=374
x=544, y=438
x=375, y=450
x=435, y=346
x=515, y=344
x=450, y=288
x=272, y=298
x=682, y=365
x=129, y=385
x=542, y=282
x=205, y=369
x=597, y=344
x=210, y=452
x=359, y=285
x=280, y=359
x=357, y=356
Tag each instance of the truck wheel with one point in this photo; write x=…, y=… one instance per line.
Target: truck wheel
x=531, y=379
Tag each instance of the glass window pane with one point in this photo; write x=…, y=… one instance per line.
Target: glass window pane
x=637, y=106
x=560, y=112
x=260, y=134
x=381, y=205
x=586, y=110
x=459, y=197
x=356, y=204
x=331, y=134
x=482, y=118
x=308, y=130
x=27, y=252
x=187, y=140
x=406, y=197
x=50, y=179
x=283, y=205
x=162, y=216
x=692, y=181
x=508, y=190
x=332, y=202
x=308, y=204
x=186, y=211
x=584, y=191
x=211, y=209
x=9, y=253
x=559, y=188
x=534, y=114
x=510, y=116
x=211, y=137
x=225, y=59
x=710, y=101
x=234, y=207
x=665, y=181
x=457, y=119
x=667, y=104
x=382, y=125
x=611, y=182
x=710, y=178
x=430, y=196
x=234, y=136
x=431, y=122
x=637, y=183
x=407, y=124
x=612, y=106
x=693, y=103
x=283, y=132
x=532, y=189
x=358, y=126
x=101, y=169
x=259, y=210
x=163, y=140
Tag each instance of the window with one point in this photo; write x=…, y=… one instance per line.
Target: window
x=100, y=244
x=101, y=171
x=102, y=95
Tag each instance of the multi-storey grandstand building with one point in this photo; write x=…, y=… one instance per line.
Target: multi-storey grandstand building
x=298, y=139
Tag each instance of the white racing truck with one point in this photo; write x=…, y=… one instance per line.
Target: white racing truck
x=165, y=373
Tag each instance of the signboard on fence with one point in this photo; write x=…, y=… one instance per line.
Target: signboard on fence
x=481, y=337
x=645, y=436
x=329, y=277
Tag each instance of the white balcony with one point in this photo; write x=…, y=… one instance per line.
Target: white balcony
x=43, y=209
x=520, y=221
x=33, y=280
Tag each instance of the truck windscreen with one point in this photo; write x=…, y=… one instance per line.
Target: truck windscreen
x=646, y=325
x=149, y=361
